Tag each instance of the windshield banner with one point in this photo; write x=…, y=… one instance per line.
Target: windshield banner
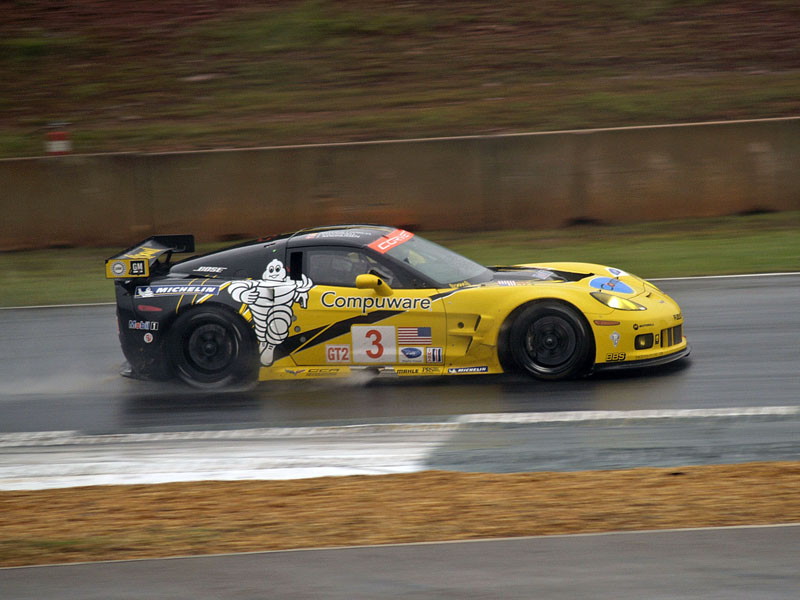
x=387, y=242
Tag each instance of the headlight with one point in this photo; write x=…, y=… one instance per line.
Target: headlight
x=616, y=302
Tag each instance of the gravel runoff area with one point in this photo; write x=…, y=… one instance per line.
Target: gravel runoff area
x=182, y=519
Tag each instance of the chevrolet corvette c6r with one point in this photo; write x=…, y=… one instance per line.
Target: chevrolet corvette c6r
x=330, y=301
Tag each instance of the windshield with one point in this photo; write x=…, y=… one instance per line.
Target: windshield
x=443, y=266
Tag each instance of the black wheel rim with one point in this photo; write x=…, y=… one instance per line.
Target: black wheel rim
x=551, y=342
x=210, y=348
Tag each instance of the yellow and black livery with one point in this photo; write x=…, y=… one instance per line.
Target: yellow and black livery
x=331, y=301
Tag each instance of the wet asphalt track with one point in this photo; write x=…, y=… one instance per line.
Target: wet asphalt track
x=58, y=373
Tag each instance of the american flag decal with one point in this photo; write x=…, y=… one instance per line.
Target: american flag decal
x=414, y=336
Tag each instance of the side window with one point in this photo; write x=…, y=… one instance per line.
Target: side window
x=341, y=266
x=296, y=265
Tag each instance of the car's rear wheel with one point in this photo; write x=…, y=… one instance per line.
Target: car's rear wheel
x=551, y=341
x=212, y=348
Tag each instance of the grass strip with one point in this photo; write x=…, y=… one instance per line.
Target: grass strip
x=744, y=244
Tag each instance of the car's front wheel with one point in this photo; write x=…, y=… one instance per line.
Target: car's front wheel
x=551, y=341
x=212, y=348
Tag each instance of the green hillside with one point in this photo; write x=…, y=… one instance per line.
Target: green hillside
x=179, y=74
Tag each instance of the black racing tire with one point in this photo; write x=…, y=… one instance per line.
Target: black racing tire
x=211, y=347
x=551, y=340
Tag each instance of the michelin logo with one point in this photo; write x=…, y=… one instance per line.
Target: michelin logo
x=271, y=302
x=462, y=370
x=176, y=290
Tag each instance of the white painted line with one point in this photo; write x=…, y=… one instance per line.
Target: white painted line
x=76, y=438
x=521, y=538
x=57, y=306
x=627, y=415
x=740, y=276
x=73, y=438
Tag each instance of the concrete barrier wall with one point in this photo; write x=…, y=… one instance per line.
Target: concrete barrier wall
x=498, y=182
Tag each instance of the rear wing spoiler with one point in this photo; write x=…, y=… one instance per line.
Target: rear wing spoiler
x=137, y=260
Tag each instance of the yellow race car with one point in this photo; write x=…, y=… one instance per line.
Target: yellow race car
x=332, y=301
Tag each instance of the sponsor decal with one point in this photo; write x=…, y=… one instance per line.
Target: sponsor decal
x=616, y=272
x=126, y=268
x=323, y=372
x=337, y=353
x=678, y=317
x=418, y=370
x=137, y=267
x=506, y=282
x=210, y=269
x=270, y=301
x=420, y=336
x=433, y=355
x=408, y=370
x=636, y=326
x=373, y=344
x=118, y=268
x=176, y=290
x=143, y=325
x=144, y=253
x=461, y=370
x=347, y=233
x=148, y=338
x=615, y=337
x=368, y=303
x=411, y=354
x=295, y=372
x=395, y=238
x=607, y=284
x=615, y=357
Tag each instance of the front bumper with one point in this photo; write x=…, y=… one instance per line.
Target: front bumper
x=640, y=338
x=645, y=362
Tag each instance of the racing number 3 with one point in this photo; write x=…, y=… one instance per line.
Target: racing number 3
x=376, y=351
x=373, y=344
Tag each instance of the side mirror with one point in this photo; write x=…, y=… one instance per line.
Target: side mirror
x=373, y=282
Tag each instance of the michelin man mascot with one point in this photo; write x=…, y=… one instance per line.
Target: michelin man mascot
x=270, y=300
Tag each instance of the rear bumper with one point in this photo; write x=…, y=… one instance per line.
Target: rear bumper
x=647, y=362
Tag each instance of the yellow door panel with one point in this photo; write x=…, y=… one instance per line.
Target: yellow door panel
x=359, y=327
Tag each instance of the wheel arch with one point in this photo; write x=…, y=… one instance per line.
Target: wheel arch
x=212, y=303
x=233, y=312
